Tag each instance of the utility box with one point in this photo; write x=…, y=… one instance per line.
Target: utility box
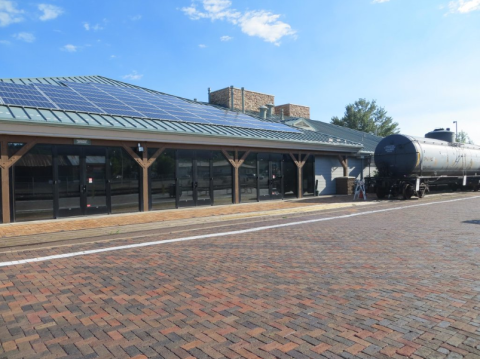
x=345, y=185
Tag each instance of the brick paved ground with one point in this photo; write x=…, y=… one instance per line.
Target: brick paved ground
x=165, y=222
x=396, y=284
x=79, y=223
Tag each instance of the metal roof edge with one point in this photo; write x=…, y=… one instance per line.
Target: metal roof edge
x=320, y=145
x=346, y=128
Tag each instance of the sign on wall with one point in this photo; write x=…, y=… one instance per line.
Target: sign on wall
x=79, y=141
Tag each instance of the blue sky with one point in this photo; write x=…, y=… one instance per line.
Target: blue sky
x=419, y=59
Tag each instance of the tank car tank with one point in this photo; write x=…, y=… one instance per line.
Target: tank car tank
x=409, y=165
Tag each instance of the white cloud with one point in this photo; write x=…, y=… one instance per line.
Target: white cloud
x=265, y=25
x=133, y=76
x=202, y=46
x=70, y=48
x=96, y=27
x=9, y=14
x=226, y=38
x=464, y=6
x=4, y=42
x=259, y=23
x=379, y=1
x=25, y=36
x=136, y=17
x=50, y=12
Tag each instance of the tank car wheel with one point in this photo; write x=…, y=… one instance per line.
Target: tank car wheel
x=421, y=193
x=476, y=188
x=407, y=192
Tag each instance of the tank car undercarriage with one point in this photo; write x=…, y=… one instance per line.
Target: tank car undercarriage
x=418, y=186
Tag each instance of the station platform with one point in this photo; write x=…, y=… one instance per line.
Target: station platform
x=42, y=233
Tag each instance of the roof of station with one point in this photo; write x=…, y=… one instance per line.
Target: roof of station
x=368, y=140
x=231, y=123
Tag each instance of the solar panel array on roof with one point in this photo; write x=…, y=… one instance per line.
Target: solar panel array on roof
x=67, y=99
x=23, y=95
x=125, y=101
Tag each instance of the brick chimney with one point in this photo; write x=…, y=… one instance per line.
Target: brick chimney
x=253, y=100
x=293, y=110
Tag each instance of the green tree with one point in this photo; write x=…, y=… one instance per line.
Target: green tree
x=366, y=116
x=463, y=137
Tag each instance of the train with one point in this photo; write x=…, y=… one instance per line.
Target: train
x=411, y=166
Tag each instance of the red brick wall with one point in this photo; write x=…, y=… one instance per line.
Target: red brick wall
x=293, y=110
x=253, y=100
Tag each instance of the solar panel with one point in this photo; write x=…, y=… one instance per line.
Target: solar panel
x=126, y=101
x=104, y=100
x=23, y=95
x=67, y=99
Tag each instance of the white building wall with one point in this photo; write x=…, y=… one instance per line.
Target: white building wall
x=327, y=168
x=359, y=166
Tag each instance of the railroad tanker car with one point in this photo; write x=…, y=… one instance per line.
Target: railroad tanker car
x=410, y=166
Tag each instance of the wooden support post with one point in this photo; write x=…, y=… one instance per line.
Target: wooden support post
x=236, y=174
x=237, y=184
x=344, y=161
x=144, y=162
x=300, y=182
x=145, y=178
x=300, y=163
x=5, y=196
x=5, y=164
x=236, y=163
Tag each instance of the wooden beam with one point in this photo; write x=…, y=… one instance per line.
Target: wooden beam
x=300, y=163
x=145, y=178
x=135, y=156
x=229, y=158
x=305, y=158
x=294, y=159
x=241, y=160
x=300, y=182
x=17, y=156
x=152, y=159
x=130, y=144
x=236, y=163
x=5, y=195
x=145, y=189
x=344, y=161
x=5, y=182
x=237, y=184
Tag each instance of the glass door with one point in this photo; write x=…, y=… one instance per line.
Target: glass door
x=203, y=179
x=263, y=176
x=81, y=183
x=69, y=181
x=194, y=178
x=270, y=176
x=276, y=176
x=186, y=182
x=94, y=190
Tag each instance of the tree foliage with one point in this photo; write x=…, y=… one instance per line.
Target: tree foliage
x=366, y=116
x=463, y=137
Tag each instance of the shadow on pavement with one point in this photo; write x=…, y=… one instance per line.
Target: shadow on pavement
x=473, y=221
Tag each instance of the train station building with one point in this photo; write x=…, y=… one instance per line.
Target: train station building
x=77, y=146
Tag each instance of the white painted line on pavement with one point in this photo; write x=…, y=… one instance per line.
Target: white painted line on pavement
x=146, y=244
